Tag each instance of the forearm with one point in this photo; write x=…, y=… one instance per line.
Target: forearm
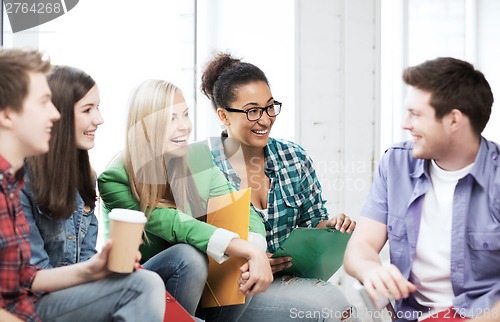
x=360, y=258
x=6, y=316
x=257, y=239
x=50, y=280
x=362, y=252
x=242, y=248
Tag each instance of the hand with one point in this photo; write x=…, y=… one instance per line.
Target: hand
x=245, y=274
x=256, y=274
x=97, y=266
x=138, y=260
x=341, y=222
x=279, y=263
x=388, y=282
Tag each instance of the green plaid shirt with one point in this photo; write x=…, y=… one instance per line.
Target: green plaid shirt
x=294, y=198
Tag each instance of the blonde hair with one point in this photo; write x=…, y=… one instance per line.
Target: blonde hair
x=151, y=175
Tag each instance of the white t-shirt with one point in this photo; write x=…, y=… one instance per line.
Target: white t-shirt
x=431, y=268
x=264, y=213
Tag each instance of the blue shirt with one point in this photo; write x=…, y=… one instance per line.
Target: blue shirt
x=396, y=199
x=294, y=198
x=60, y=242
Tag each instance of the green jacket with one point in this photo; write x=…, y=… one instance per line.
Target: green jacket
x=168, y=226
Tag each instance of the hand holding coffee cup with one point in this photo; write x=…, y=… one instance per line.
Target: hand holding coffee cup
x=125, y=231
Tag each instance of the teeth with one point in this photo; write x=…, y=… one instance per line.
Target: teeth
x=260, y=132
x=89, y=133
x=179, y=140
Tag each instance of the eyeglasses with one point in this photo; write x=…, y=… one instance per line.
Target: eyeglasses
x=255, y=114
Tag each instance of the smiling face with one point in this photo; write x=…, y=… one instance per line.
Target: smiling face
x=179, y=128
x=87, y=119
x=431, y=136
x=250, y=133
x=33, y=124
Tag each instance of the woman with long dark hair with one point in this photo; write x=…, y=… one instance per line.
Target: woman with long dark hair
x=60, y=193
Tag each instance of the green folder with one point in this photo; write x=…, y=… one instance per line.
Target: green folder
x=316, y=252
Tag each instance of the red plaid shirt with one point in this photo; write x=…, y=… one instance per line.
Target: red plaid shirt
x=16, y=272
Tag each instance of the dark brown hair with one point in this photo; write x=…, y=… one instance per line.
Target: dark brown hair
x=454, y=84
x=55, y=177
x=15, y=64
x=224, y=75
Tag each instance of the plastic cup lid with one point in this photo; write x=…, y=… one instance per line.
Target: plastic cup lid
x=127, y=215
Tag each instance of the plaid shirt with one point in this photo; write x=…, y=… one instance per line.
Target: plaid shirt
x=16, y=272
x=294, y=198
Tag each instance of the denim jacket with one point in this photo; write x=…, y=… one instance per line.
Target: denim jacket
x=59, y=242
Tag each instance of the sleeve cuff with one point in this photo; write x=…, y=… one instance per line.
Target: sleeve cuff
x=258, y=240
x=218, y=243
x=28, y=274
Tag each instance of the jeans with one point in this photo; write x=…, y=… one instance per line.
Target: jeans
x=138, y=297
x=291, y=298
x=184, y=271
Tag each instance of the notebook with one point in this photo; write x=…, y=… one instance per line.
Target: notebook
x=316, y=252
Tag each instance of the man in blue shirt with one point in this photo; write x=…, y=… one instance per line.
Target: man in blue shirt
x=436, y=199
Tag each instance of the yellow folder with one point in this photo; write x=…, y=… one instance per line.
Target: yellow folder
x=231, y=212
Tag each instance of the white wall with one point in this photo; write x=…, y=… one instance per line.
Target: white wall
x=260, y=32
x=465, y=29
x=120, y=47
x=488, y=52
x=338, y=100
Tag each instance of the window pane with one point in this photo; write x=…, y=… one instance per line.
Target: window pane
x=121, y=43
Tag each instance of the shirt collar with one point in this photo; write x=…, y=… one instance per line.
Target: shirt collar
x=488, y=152
x=422, y=165
x=479, y=171
x=8, y=173
x=217, y=147
x=273, y=163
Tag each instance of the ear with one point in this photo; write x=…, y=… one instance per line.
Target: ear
x=456, y=119
x=221, y=113
x=6, y=120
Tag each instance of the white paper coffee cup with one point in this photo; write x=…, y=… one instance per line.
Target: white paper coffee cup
x=125, y=231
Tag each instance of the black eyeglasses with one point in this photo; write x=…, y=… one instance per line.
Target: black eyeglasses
x=255, y=114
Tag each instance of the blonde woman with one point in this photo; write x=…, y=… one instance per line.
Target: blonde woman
x=171, y=181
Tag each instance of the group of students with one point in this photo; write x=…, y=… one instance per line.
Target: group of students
x=436, y=199
x=78, y=286
x=50, y=116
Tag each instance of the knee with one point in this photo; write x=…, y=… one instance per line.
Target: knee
x=151, y=288
x=195, y=261
x=322, y=295
x=181, y=261
x=149, y=282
